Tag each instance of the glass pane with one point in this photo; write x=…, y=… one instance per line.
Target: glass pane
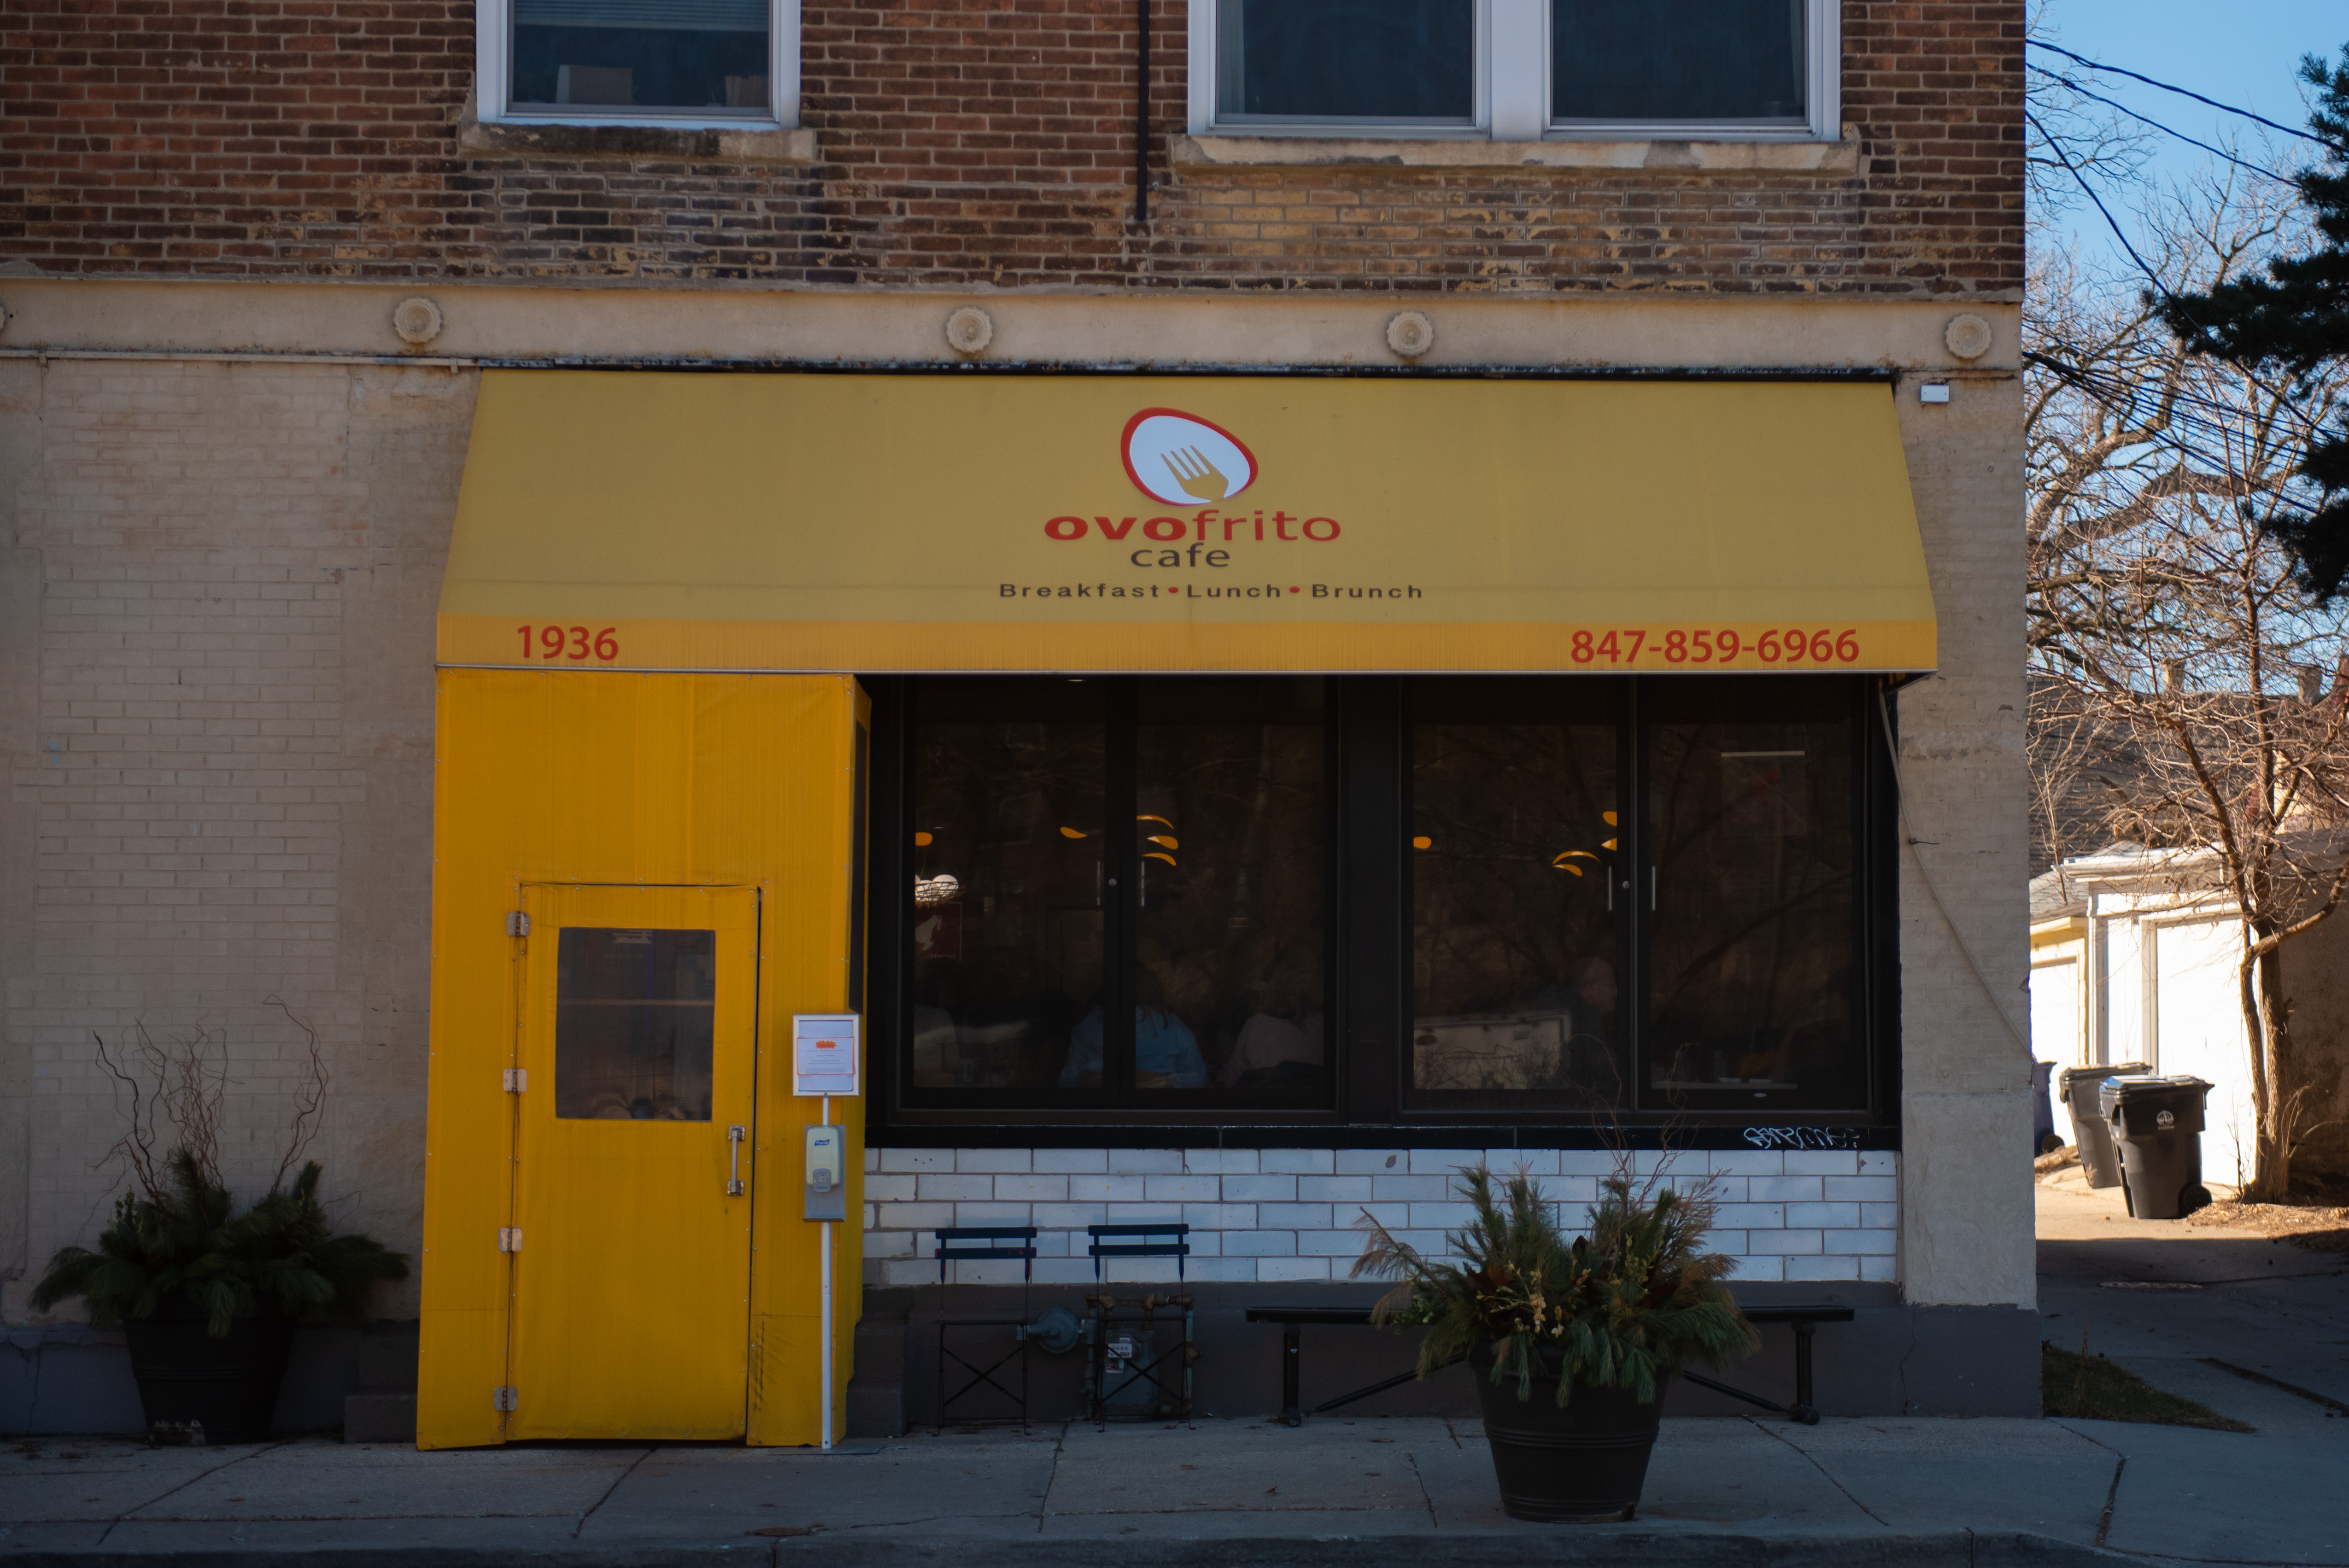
x=1008, y=842
x=706, y=56
x=1517, y=949
x=1677, y=59
x=1346, y=59
x=633, y=1016
x=1753, y=971
x=1231, y=892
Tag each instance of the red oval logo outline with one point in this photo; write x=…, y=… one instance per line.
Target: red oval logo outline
x=1126, y=449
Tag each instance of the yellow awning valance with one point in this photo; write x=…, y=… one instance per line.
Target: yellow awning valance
x=644, y=521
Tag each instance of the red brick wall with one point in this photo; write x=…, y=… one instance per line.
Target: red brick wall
x=985, y=142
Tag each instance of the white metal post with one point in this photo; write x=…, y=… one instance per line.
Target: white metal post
x=824, y=1231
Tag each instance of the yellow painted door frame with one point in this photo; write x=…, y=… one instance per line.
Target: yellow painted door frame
x=634, y=781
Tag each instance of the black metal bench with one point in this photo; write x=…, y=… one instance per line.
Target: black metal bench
x=1805, y=1320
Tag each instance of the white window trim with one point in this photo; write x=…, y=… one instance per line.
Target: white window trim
x=1512, y=89
x=493, y=26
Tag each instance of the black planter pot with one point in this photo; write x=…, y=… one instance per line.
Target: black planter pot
x=199, y=1389
x=1585, y=1463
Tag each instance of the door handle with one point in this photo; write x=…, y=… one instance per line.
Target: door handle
x=734, y=1135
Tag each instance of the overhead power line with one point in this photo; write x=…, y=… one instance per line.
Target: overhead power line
x=2165, y=130
x=2171, y=88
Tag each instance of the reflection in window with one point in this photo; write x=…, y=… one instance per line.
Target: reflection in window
x=1753, y=965
x=1230, y=889
x=1677, y=59
x=1517, y=949
x=1007, y=883
x=632, y=1024
x=708, y=56
x=1346, y=59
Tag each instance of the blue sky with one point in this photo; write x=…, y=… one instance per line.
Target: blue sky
x=2241, y=51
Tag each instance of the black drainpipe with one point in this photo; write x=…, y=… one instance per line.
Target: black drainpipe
x=1141, y=119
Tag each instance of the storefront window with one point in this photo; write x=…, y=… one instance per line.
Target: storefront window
x=1120, y=893
x=1516, y=929
x=1007, y=920
x=1231, y=894
x=634, y=1012
x=1754, y=955
x=1591, y=902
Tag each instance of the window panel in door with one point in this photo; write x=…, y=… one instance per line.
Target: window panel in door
x=633, y=1018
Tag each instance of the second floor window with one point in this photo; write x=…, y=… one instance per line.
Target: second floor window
x=1711, y=60
x=1521, y=68
x=640, y=61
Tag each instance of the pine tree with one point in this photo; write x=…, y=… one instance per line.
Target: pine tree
x=2292, y=321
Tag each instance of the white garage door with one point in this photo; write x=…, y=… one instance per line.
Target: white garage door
x=2198, y=1028
x=2055, y=1027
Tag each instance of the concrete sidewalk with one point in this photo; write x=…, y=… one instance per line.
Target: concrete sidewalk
x=1417, y=1491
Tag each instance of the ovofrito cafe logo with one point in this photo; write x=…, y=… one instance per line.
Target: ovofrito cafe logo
x=1183, y=459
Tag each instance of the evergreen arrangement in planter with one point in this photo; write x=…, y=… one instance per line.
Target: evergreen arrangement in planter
x=1574, y=1338
x=208, y=1298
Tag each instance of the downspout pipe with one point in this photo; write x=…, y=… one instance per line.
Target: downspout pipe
x=1142, y=115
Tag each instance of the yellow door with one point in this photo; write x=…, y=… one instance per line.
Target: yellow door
x=632, y=1265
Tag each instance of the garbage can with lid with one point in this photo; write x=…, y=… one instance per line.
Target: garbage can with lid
x=2079, y=1086
x=2157, y=1122
x=2043, y=1137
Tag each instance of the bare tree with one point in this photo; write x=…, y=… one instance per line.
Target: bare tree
x=177, y=1089
x=2179, y=663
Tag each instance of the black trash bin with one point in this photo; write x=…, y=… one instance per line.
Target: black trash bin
x=2079, y=1086
x=2157, y=1122
x=2043, y=1137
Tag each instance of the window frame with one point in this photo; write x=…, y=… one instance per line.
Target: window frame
x=1369, y=953
x=493, y=24
x=1512, y=92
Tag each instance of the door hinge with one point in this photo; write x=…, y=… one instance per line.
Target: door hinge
x=505, y=1398
x=509, y=1238
x=517, y=923
x=517, y=1080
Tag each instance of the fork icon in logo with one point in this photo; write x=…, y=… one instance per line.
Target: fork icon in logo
x=1200, y=478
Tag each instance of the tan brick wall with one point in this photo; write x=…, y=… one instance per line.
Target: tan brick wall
x=962, y=143
x=227, y=792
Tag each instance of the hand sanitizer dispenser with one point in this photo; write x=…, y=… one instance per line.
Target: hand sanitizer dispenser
x=827, y=1174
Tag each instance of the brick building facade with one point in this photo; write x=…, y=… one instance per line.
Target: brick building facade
x=227, y=483
x=980, y=146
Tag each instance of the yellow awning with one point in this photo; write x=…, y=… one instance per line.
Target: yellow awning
x=644, y=521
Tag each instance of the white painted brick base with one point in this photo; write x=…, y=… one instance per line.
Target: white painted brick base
x=1278, y=1214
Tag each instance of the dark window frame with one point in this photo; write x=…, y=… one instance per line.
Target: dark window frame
x=1369, y=957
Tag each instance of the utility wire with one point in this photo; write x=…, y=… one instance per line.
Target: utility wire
x=2182, y=92
x=2165, y=130
x=2055, y=146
